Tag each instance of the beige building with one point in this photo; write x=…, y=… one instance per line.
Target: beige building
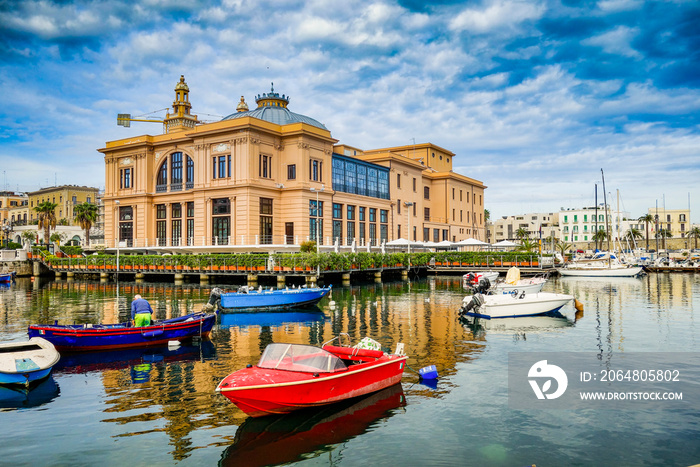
x=676, y=221
x=65, y=196
x=271, y=177
x=507, y=227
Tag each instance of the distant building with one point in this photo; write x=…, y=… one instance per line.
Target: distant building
x=269, y=176
x=675, y=221
x=65, y=196
x=536, y=225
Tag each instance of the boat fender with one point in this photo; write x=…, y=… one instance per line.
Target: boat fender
x=428, y=372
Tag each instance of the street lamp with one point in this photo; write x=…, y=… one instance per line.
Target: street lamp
x=7, y=230
x=408, y=215
x=318, y=228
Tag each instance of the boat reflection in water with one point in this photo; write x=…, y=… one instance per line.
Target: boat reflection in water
x=272, y=318
x=136, y=359
x=522, y=324
x=275, y=440
x=36, y=395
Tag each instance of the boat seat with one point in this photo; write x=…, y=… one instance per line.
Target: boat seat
x=354, y=354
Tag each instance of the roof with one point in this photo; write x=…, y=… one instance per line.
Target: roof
x=277, y=115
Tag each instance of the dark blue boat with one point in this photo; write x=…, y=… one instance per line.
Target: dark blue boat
x=250, y=299
x=8, y=277
x=90, y=337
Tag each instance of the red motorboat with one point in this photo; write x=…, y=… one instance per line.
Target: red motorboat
x=294, y=376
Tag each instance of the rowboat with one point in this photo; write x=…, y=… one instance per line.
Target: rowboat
x=7, y=277
x=302, y=435
x=252, y=299
x=513, y=306
x=90, y=337
x=22, y=363
x=290, y=377
x=22, y=397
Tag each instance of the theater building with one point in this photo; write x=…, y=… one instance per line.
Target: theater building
x=270, y=178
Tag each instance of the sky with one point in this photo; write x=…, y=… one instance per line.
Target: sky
x=537, y=99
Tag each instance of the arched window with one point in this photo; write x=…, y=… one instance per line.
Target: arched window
x=162, y=180
x=176, y=171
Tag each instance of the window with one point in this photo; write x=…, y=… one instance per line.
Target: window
x=176, y=210
x=414, y=209
x=398, y=206
x=125, y=177
x=265, y=166
x=162, y=180
x=189, y=184
x=190, y=209
x=266, y=221
x=87, y=201
x=161, y=211
x=176, y=171
x=398, y=180
x=351, y=231
x=338, y=231
x=362, y=213
x=373, y=234
x=316, y=170
x=291, y=172
x=372, y=214
x=414, y=185
x=190, y=223
x=426, y=234
x=460, y=195
x=161, y=233
x=426, y=192
x=221, y=206
x=383, y=216
x=453, y=193
x=220, y=167
x=426, y=214
x=337, y=211
x=351, y=213
x=176, y=231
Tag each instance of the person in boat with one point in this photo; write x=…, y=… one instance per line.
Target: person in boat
x=141, y=311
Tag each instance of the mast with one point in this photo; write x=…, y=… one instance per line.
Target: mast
x=596, y=216
x=607, y=230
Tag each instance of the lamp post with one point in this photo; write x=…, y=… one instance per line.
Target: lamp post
x=408, y=215
x=7, y=230
x=318, y=228
x=116, y=223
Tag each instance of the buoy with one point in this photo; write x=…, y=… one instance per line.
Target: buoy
x=331, y=303
x=428, y=372
x=173, y=343
x=578, y=305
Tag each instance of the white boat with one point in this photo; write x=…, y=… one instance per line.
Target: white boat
x=512, y=306
x=602, y=264
x=514, y=284
x=22, y=363
x=472, y=279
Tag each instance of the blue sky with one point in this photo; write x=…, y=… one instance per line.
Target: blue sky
x=533, y=97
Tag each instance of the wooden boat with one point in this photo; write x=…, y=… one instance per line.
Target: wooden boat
x=305, y=434
x=7, y=277
x=290, y=377
x=251, y=299
x=90, y=337
x=22, y=363
x=513, y=306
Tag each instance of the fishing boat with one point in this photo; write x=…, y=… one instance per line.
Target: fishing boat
x=22, y=363
x=514, y=284
x=472, y=279
x=91, y=337
x=260, y=299
x=7, y=277
x=513, y=306
x=290, y=377
x=602, y=264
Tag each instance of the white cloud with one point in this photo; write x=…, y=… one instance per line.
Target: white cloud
x=497, y=14
x=616, y=41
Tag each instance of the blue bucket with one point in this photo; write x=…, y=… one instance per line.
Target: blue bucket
x=428, y=372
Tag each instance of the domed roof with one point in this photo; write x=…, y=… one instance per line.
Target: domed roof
x=273, y=108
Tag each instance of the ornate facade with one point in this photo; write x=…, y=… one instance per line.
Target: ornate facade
x=271, y=178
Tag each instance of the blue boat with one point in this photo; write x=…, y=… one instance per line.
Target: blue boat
x=272, y=318
x=251, y=299
x=22, y=363
x=8, y=277
x=90, y=337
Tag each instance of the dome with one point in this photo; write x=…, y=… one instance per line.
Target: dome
x=273, y=108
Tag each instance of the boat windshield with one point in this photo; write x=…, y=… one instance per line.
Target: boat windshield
x=297, y=357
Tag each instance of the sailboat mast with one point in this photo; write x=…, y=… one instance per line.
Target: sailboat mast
x=596, y=216
x=607, y=229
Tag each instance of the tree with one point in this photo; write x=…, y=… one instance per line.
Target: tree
x=528, y=245
x=694, y=233
x=663, y=234
x=633, y=234
x=562, y=247
x=29, y=236
x=487, y=215
x=646, y=219
x=600, y=236
x=86, y=215
x=521, y=233
x=47, y=218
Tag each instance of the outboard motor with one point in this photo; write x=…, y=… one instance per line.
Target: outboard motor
x=471, y=304
x=214, y=300
x=484, y=286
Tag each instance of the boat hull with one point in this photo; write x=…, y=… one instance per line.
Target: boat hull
x=23, y=363
x=602, y=272
x=259, y=391
x=7, y=278
x=533, y=287
x=507, y=306
x=81, y=338
x=267, y=300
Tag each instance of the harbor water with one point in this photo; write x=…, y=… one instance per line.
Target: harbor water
x=158, y=406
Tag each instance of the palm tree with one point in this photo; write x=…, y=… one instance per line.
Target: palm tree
x=528, y=245
x=647, y=218
x=663, y=234
x=694, y=233
x=86, y=215
x=633, y=234
x=47, y=218
x=521, y=233
x=600, y=236
x=562, y=247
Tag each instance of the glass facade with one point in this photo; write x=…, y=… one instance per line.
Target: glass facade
x=361, y=178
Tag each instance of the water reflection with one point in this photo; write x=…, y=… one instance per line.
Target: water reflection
x=276, y=440
x=34, y=396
